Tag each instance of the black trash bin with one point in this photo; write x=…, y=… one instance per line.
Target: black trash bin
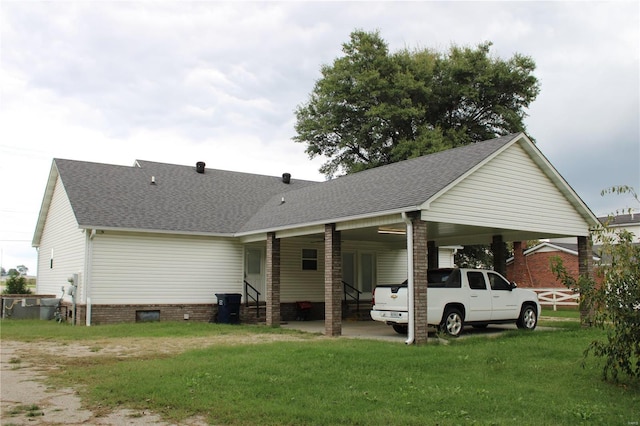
x=228, y=308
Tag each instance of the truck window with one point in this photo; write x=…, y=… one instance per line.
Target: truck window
x=476, y=281
x=498, y=283
x=453, y=281
x=438, y=277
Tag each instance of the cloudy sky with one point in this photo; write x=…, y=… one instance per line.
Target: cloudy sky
x=218, y=82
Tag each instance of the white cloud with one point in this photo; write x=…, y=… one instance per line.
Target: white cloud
x=218, y=81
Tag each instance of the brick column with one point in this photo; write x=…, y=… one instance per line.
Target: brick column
x=519, y=266
x=332, y=281
x=273, y=280
x=420, y=266
x=585, y=269
x=432, y=255
x=499, y=249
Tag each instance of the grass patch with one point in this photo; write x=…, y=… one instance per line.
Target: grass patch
x=28, y=410
x=561, y=313
x=515, y=378
x=34, y=330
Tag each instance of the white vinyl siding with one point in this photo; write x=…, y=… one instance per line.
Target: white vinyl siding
x=62, y=235
x=445, y=258
x=296, y=284
x=392, y=266
x=133, y=268
x=509, y=192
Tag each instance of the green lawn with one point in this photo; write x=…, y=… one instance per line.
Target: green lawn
x=516, y=378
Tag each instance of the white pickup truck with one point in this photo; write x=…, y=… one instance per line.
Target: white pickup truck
x=459, y=297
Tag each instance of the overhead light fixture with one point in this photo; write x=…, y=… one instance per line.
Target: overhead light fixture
x=392, y=231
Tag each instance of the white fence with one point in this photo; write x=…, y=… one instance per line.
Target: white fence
x=557, y=297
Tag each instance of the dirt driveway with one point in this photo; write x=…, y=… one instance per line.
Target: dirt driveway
x=26, y=400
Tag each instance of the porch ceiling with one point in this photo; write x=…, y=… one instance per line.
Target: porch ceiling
x=445, y=234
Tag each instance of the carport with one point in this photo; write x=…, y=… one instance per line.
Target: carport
x=490, y=192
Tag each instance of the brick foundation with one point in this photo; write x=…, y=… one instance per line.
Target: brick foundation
x=112, y=314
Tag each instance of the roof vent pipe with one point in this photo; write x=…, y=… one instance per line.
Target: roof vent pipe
x=200, y=167
x=286, y=178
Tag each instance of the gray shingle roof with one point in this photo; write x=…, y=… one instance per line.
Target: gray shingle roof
x=181, y=200
x=226, y=202
x=621, y=219
x=402, y=185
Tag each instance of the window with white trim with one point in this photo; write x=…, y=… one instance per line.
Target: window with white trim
x=309, y=259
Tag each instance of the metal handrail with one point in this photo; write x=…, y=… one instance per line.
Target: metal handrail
x=356, y=297
x=250, y=296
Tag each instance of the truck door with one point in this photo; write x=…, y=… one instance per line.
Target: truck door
x=479, y=297
x=504, y=301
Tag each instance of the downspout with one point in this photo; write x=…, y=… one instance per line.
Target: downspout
x=87, y=273
x=410, y=331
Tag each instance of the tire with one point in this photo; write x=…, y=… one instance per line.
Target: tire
x=400, y=328
x=452, y=322
x=528, y=318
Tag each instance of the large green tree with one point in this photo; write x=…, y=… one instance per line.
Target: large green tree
x=372, y=107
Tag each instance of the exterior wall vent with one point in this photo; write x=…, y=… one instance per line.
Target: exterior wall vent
x=200, y=167
x=286, y=178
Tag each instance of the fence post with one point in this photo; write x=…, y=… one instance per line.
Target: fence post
x=555, y=308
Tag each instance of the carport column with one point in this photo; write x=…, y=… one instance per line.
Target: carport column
x=585, y=269
x=332, y=281
x=420, y=266
x=499, y=249
x=432, y=255
x=273, y=280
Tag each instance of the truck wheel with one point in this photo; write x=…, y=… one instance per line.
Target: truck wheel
x=528, y=318
x=400, y=328
x=452, y=322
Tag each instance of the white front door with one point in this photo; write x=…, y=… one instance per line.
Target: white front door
x=254, y=270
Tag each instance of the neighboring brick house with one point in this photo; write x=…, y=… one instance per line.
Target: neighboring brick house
x=531, y=268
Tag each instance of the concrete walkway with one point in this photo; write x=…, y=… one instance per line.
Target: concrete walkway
x=352, y=329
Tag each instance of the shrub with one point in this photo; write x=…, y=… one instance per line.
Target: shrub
x=16, y=284
x=613, y=304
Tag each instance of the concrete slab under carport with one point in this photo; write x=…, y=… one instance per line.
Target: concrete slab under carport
x=375, y=330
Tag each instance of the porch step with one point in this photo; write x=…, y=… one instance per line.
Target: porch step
x=350, y=311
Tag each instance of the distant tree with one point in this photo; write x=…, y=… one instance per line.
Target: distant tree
x=3, y=272
x=22, y=270
x=481, y=256
x=372, y=107
x=474, y=256
x=615, y=303
x=16, y=283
